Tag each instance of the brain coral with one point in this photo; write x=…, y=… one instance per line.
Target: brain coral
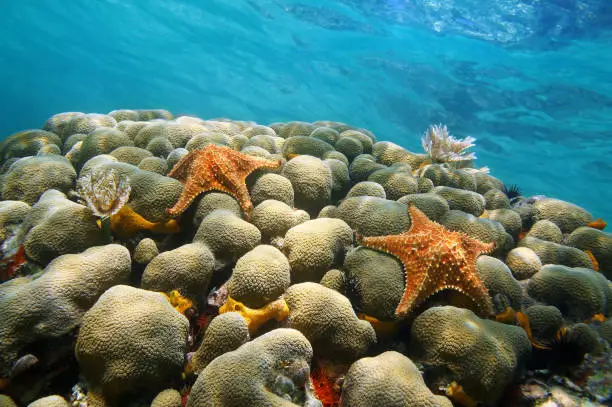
x=57, y=226
x=130, y=341
x=227, y=235
x=225, y=333
x=466, y=201
x=485, y=230
x=371, y=216
x=482, y=356
x=565, y=215
x=311, y=179
x=554, y=253
x=441, y=175
x=432, y=205
x=29, y=177
x=259, y=277
x=315, y=246
x=390, y=380
x=546, y=230
x=579, y=293
x=523, y=262
x=367, y=188
x=598, y=242
x=272, y=186
x=270, y=371
x=396, y=182
x=300, y=145
x=187, y=269
x=503, y=288
x=327, y=319
x=363, y=166
x=26, y=143
x=378, y=279
x=39, y=308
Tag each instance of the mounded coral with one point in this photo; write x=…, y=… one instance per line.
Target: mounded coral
x=544, y=322
x=225, y=333
x=485, y=230
x=102, y=141
x=26, y=143
x=167, y=398
x=188, y=269
x=301, y=145
x=367, y=188
x=554, y=253
x=272, y=186
x=460, y=199
x=371, y=216
x=565, y=215
x=341, y=181
x=523, y=262
x=269, y=371
x=154, y=164
x=389, y=379
x=546, y=230
x=389, y=153
x=274, y=218
x=131, y=341
x=363, y=166
x=432, y=205
x=145, y=251
x=502, y=286
x=59, y=123
x=130, y=154
x=496, y=199
x=509, y=219
x=328, y=321
x=397, y=182
x=29, y=177
x=482, y=356
x=579, y=293
x=315, y=246
x=12, y=214
x=441, y=175
x=598, y=242
x=334, y=279
x=50, y=401
x=227, y=235
x=211, y=201
x=311, y=179
x=378, y=280
x=259, y=277
x=41, y=308
x=57, y=226
x=89, y=122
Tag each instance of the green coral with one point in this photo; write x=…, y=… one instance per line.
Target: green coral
x=225, y=333
x=188, y=269
x=579, y=293
x=389, y=379
x=371, y=216
x=482, y=356
x=269, y=371
x=259, y=277
x=131, y=341
x=327, y=320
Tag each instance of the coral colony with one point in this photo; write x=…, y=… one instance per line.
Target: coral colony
x=153, y=260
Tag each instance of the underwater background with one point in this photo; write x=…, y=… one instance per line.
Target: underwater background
x=530, y=80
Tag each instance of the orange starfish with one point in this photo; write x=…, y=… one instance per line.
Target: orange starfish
x=216, y=168
x=434, y=259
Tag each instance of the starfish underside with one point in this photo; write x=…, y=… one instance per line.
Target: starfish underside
x=435, y=259
x=216, y=168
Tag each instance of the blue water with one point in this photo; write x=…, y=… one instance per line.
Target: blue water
x=529, y=79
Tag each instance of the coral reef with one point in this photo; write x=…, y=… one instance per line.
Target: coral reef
x=154, y=260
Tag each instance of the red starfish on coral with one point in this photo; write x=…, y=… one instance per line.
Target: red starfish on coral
x=434, y=259
x=216, y=168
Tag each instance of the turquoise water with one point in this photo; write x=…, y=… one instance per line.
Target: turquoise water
x=529, y=79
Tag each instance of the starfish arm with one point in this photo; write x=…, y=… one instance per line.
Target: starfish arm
x=419, y=221
x=182, y=169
